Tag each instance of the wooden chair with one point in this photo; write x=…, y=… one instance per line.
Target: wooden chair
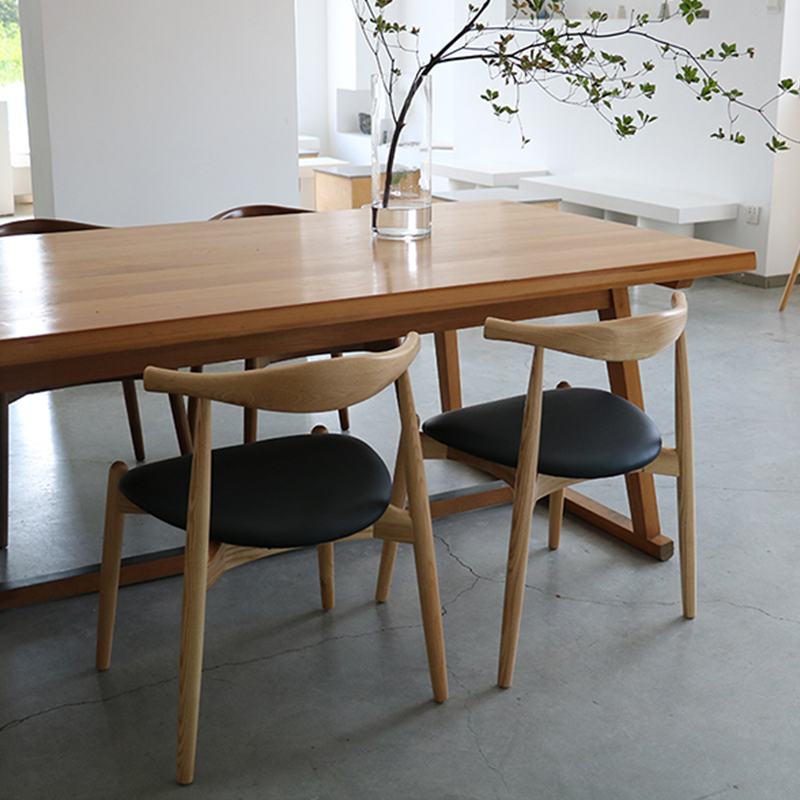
x=542, y=442
x=251, y=414
x=790, y=284
x=44, y=225
x=276, y=493
x=259, y=211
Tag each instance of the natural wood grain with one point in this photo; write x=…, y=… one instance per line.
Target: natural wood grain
x=634, y=338
x=522, y=515
x=226, y=287
x=112, y=559
x=447, y=362
x=787, y=291
x=198, y=519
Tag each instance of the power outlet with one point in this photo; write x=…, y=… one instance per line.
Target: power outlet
x=753, y=215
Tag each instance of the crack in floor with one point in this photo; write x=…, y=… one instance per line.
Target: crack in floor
x=79, y=703
x=662, y=603
x=206, y=670
x=465, y=705
x=728, y=788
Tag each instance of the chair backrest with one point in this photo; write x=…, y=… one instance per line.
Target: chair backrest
x=259, y=211
x=44, y=225
x=308, y=387
x=629, y=339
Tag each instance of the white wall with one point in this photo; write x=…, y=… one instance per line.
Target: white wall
x=312, y=82
x=344, y=64
x=153, y=112
x=784, y=229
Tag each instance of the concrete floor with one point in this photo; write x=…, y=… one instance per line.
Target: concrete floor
x=615, y=694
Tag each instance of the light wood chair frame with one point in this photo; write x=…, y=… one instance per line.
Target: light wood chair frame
x=306, y=388
x=787, y=290
x=621, y=340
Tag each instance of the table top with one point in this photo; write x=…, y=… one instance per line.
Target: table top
x=103, y=303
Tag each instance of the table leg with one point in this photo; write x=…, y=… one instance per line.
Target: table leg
x=644, y=529
x=448, y=369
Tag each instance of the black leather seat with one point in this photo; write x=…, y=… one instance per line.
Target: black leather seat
x=260, y=492
x=586, y=433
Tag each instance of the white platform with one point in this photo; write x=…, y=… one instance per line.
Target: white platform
x=308, y=145
x=496, y=193
x=469, y=173
x=647, y=206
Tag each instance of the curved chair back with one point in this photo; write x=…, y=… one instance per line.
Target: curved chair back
x=629, y=339
x=44, y=225
x=317, y=386
x=259, y=211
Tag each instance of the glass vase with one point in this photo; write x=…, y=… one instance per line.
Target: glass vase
x=401, y=158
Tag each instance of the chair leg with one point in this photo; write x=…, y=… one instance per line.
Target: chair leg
x=686, y=500
x=344, y=413
x=326, y=576
x=425, y=559
x=410, y=457
x=195, y=581
x=687, y=547
x=521, y=519
x=190, y=674
x=181, y=422
x=556, y=516
x=790, y=284
x=4, y=401
x=250, y=414
x=110, y=567
x=388, y=555
x=191, y=405
x=515, y=590
x=389, y=551
x=134, y=418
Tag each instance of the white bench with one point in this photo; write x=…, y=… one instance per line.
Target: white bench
x=621, y=201
x=468, y=174
x=496, y=193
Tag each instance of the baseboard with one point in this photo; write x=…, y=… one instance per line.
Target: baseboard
x=761, y=281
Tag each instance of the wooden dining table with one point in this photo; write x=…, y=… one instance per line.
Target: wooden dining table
x=102, y=304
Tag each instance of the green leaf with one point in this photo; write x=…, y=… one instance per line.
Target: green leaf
x=777, y=144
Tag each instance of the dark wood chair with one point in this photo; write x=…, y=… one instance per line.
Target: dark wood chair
x=259, y=211
x=287, y=492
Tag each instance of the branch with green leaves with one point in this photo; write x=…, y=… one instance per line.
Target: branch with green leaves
x=575, y=61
